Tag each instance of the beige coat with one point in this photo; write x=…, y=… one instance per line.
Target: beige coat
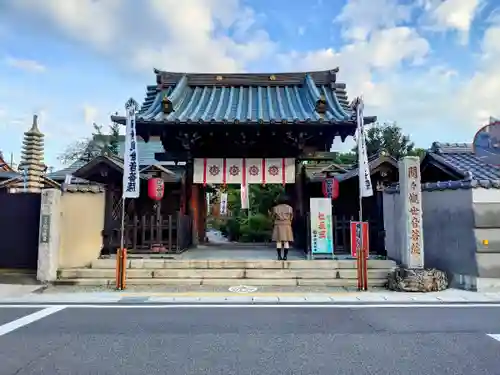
x=282, y=215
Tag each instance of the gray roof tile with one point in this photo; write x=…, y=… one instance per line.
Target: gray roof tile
x=460, y=157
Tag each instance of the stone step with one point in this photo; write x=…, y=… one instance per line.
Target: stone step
x=233, y=273
x=241, y=264
x=222, y=282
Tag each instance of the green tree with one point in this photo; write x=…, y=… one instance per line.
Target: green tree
x=114, y=138
x=420, y=152
x=254, y=224
x=345, y=158
x=88, y=148
x=388, y=137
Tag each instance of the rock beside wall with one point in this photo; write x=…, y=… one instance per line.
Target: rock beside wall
x=417, y=280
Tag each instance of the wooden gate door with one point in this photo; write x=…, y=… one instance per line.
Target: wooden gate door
x=19, y=227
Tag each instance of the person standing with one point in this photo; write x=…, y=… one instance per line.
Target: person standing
x=282, y=215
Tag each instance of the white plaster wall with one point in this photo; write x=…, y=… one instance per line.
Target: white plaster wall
x=481, y=195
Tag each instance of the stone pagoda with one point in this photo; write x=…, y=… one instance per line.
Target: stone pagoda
x=32, y=165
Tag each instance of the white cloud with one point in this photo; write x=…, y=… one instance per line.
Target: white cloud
x=90, y=114
x=359, y=61
x=384, y=57
x=85, y=20
x=175, y=35
x=479, y=97
x=384, y=61
x=32, y=66
x=452, y=15
x=359, y=18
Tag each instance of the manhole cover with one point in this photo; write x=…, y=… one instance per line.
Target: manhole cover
x=243, y=289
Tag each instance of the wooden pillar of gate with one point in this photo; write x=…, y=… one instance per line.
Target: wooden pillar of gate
x=299, y=188
x=195, y=212
x=183, y=197
x=202, y=232
x=301, y=220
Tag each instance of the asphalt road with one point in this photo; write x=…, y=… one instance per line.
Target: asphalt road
x=251, y=340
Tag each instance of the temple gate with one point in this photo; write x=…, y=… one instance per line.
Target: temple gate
x=244, y=129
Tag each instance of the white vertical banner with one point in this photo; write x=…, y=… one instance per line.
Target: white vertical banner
x=365, y=182
x=208, y=196
x=223, y=204
x=245, y=204
x=130, y=157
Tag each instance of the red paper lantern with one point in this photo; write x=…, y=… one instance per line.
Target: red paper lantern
x=330, y=188
x=156, y=188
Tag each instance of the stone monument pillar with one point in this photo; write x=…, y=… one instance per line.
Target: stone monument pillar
x=49, y=237
x=412, y=240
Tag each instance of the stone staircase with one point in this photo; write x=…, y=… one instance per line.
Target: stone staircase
x=335, y=273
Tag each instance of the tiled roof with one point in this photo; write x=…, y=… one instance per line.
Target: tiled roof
x=246, y=98
x=60, y=175
x=452, y=185
x=374, y=162
x=86, y=188
x=18, y=178
x=146, y=151
x=460, y=157
x=5, y=175
x=320, y=170
x=4, y=166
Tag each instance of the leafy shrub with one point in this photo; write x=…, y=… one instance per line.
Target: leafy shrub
x=256, y=228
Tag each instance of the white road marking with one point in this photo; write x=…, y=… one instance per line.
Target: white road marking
x=243, y=289
x=495, y=337
x=201, y=305
x=27, y=319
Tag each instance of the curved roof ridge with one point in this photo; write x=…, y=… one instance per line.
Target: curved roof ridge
x=227, y=74
x=321, y=77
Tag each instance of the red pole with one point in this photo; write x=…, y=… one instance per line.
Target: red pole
x=124, y=269
x=359, y=270
x=118, y=278
x=365, y=269
x=366, y=244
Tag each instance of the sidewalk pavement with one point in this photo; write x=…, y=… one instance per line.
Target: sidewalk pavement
x=16, y=290
x=378, y=297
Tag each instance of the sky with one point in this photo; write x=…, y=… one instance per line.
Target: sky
x=431, y=66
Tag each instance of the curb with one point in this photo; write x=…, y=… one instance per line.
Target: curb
x=242, y=304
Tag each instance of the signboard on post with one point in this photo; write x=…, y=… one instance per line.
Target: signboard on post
x=359, y=238
x=321, y=226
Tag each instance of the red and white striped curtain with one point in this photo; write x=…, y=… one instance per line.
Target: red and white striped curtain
x=244, y=171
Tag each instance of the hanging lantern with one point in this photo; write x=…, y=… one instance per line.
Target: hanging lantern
x=330, y=188
x=156, y=188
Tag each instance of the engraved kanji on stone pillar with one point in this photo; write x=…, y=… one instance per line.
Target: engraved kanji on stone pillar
x=49, y=235
x=411, y=203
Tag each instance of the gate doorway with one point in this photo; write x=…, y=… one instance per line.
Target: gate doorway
x=242, y=225
x=19, y=228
